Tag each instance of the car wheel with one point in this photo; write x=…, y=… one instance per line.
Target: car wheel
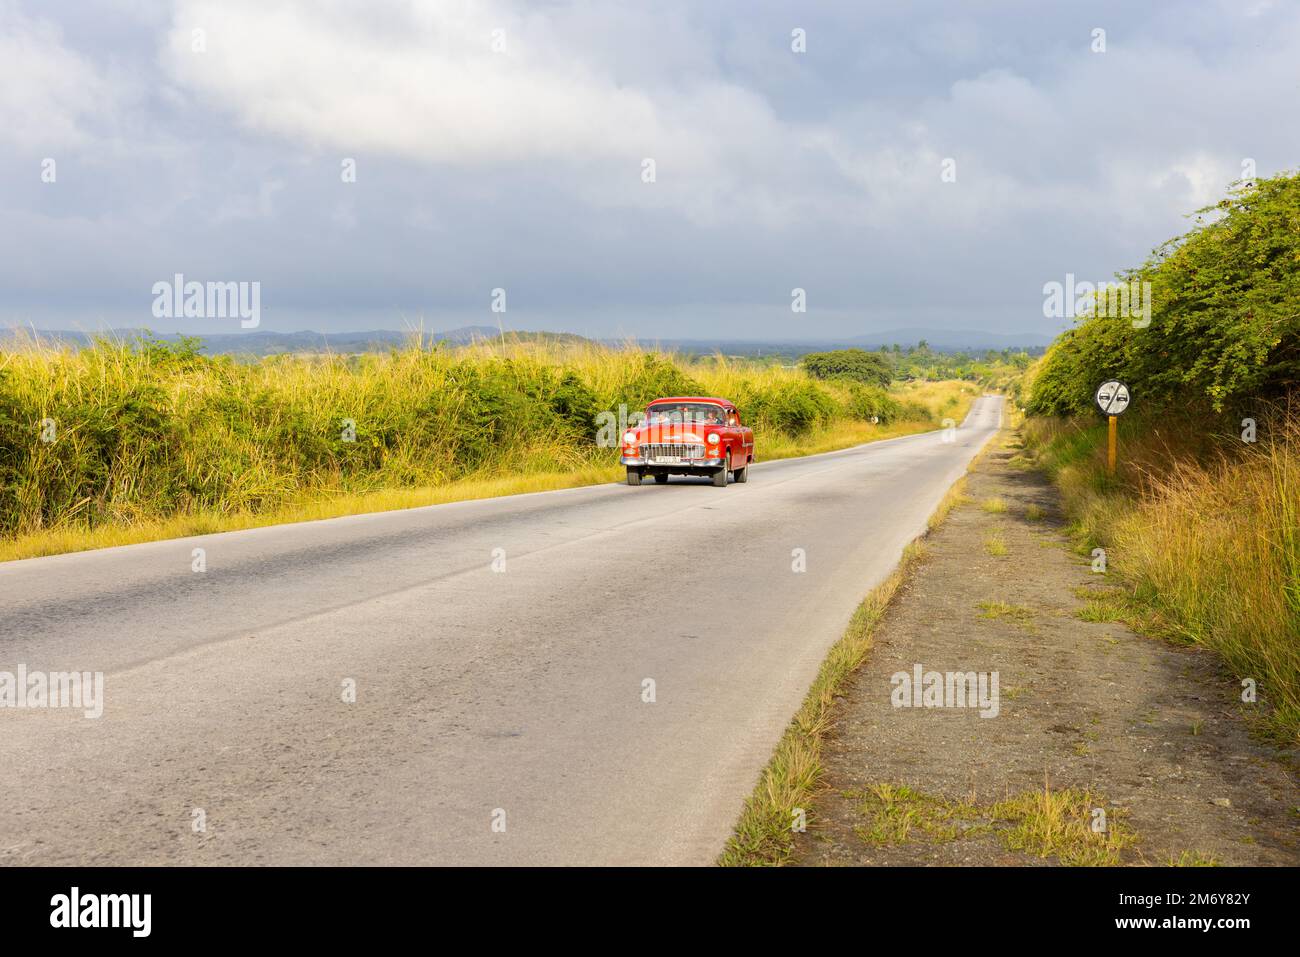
x=661, y=478
x=633, y=476
x=742, y=475
x=720, y=478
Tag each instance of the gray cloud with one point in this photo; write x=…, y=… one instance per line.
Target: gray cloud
x=522, y=169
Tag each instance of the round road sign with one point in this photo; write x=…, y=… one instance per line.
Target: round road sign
x=1112, y=397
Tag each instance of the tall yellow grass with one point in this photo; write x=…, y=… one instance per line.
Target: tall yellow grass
x=1208, y=536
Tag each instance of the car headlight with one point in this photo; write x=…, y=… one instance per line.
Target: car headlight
x=629, y=438
x=713, y=438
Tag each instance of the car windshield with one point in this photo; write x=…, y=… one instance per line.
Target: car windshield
x=685, y=413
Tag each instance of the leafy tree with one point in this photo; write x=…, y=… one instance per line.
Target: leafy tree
x=854, y=365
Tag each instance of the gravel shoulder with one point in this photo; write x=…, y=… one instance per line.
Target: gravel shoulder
x=1146, y=738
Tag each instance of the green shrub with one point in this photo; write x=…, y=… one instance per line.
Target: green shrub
x=793, y=407
x=872, y=403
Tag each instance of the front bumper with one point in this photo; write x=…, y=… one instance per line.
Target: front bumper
x=637, y=461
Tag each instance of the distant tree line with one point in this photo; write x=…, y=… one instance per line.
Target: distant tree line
x=899, y=363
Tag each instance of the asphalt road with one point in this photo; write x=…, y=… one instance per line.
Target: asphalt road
x=482, y=696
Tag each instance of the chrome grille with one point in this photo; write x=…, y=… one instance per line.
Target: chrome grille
x=661, y=450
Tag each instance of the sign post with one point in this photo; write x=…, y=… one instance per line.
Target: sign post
x=1112, y=444
x=1112, y=398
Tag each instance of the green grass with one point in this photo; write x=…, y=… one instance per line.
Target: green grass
x=953, y=498
x=1101, y=610
x=1020, y=614
x=1058, y=824
x=1194, y=859
x=1045, y=824
x=896, y=813
x=995, y=544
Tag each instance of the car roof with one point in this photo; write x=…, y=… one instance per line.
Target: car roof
x=694, y=398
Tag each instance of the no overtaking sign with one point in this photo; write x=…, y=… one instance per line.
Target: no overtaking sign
x=1112, y=397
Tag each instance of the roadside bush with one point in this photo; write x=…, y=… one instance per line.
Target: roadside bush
x=793, y=406
x=872, y=402
x=15, y=440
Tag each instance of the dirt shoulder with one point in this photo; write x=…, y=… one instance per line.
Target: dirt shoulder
x=1106, y=746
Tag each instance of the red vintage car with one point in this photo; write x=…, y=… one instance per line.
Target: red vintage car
x=689, y=435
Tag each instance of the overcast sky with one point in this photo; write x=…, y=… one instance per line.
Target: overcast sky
x=503, y=145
